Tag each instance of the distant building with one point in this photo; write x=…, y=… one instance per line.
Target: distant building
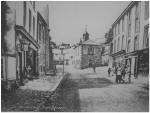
x=105, y=55
x=86, y=52
x=131, y=37
x=58, y=57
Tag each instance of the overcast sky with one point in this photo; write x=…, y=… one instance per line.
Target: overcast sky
x=68, y=19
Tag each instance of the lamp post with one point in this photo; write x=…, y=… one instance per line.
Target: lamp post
x=62, y=48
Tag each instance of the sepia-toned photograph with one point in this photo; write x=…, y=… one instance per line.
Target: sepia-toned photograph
x=74, y=56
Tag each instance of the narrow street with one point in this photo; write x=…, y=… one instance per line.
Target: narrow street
x=75, y=56
x=94, y=92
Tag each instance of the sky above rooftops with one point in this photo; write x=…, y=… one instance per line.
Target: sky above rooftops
x=68, y=19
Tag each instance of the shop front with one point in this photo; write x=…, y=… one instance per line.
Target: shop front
x=131, y=59
x=118, y=57
x=143, y=62
x=26, y=55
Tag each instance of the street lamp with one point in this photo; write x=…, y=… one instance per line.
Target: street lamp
x=62, y=48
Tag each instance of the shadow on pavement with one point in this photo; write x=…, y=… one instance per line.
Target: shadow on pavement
x=93, y=82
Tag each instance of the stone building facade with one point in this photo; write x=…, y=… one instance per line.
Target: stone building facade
x=130, y=37
x=85, y=52
x=23, y=39
x=44, y=42
x=22, y=59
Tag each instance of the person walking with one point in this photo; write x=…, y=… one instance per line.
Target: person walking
x=94, y=67
x=109, y=70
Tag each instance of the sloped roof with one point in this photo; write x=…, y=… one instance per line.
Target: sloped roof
x=89, y=42
x=100, y=40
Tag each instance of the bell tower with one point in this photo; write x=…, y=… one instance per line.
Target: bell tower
x=85, y=34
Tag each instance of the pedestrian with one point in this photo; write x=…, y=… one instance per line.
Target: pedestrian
x=123, y=72
x=129, y=73
x=118, y=75
x=115, y=72
x=109, y=70
x=90, y=63
x=94, y=67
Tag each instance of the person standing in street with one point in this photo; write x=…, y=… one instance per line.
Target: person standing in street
x=109, y=70
x=118, y=77
x=115, y=72
x=123, y=72
x=129, y=73
x=94, y=66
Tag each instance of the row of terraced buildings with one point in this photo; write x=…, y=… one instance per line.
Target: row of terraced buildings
x=26, y=45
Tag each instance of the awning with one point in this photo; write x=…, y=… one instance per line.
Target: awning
x=22, y=30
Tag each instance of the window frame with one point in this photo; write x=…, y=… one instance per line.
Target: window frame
x=30, y=16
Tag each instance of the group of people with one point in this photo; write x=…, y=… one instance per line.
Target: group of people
x=121, y=71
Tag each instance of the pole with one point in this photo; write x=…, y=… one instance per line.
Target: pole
x=63, y=64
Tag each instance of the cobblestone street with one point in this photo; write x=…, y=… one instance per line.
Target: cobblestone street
x=81, y=92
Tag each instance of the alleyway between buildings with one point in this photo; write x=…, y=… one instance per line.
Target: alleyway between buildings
x=82, y=90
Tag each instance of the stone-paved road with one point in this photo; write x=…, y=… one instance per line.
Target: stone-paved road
x=88, y=93
x=66, y=98
x=83, y=91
